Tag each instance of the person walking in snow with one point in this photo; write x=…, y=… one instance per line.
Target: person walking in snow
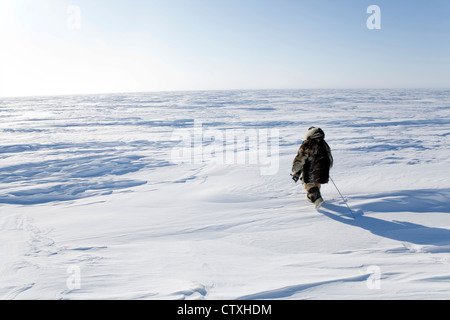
x=312, y=164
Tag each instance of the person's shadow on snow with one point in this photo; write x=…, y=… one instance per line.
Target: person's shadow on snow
x=395, y=230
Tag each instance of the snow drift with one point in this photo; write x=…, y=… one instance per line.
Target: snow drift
x=94, y=206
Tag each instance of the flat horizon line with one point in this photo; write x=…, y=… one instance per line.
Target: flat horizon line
x=214, y=90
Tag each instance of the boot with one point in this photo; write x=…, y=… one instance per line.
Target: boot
x=314, y=194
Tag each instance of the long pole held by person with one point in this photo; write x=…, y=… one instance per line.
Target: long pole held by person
x=345, y=201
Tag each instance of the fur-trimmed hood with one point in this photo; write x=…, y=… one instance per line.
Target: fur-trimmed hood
x=314, y=133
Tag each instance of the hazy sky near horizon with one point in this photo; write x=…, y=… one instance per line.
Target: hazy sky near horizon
x=85, y=46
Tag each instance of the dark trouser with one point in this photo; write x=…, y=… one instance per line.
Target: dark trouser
x=313, y=191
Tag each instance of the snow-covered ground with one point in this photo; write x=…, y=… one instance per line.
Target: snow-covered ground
x=140, y=196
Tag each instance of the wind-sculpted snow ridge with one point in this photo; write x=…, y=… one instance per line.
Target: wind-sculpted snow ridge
x=40, y=173
x=163, y=195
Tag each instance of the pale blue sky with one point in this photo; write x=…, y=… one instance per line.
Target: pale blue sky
x=137, y=45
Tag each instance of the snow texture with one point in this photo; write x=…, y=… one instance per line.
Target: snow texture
x=93, y=205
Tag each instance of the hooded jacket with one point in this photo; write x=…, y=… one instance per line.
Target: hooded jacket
x=314, y=158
